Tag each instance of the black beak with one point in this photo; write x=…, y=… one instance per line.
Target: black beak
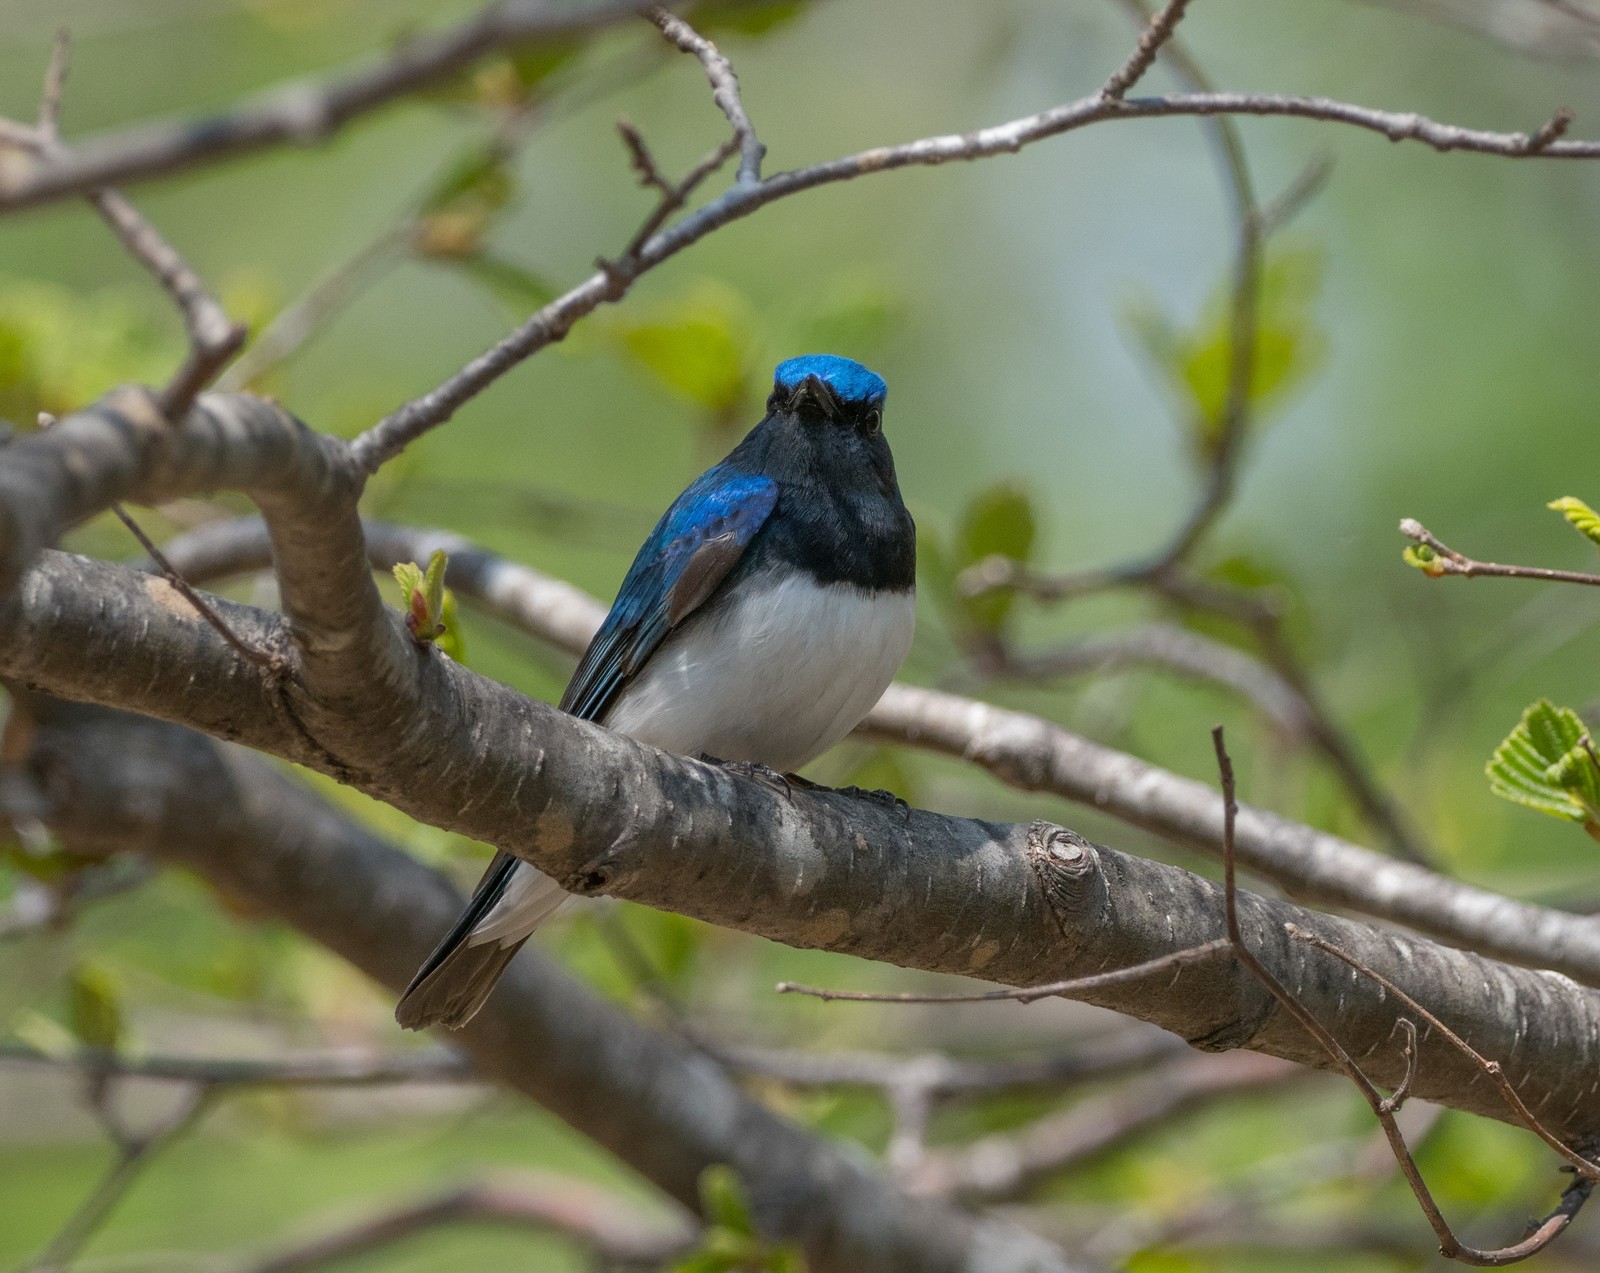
x=818, y=392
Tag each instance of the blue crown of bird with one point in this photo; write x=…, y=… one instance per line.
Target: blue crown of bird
x=832, y=383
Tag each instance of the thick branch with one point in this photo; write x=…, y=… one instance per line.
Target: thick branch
x=1019, y=905
x=667, y=1110
x=1028, y=752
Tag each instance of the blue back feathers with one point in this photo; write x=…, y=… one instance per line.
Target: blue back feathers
x=846, y=377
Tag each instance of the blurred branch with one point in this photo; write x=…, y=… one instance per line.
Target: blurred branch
x=1445, y=560
x=133, y=1153
x=299, y=114
x=1006, y=1165
x=1023, y=750
x=913, y=1085
x=1161, y=645
x=607, y=1227
x=353, y=1069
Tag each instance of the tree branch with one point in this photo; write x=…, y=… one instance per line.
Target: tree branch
x=1025, y=751
x=299, y=114
x=118, y=781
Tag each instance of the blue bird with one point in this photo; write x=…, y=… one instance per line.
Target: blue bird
x=762, y=619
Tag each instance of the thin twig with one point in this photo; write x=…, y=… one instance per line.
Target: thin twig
x=1447, y=561
x=1493, y=1070
x=213, y=337
x=1449, y=1245
x=356, y=1069
x=260, y=658
x=1158, y=30
x=606, y=1225
x=133, y=1154
x=1174, y=962
x=724, y=89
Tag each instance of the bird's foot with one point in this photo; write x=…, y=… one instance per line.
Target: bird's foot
x=766, y=775
x=878, y=796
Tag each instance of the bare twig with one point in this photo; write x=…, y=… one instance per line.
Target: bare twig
x=134, y=1151
x=724, y=89
x=1006, y=1165
x=1449, y=1245
x=1447, y=561
x=608, y=1227
x=300, y=114
x=1158, y=30
x=604, y=1227
x=1174, y=962
x=213, y=337
x=261, y=658
x=551, y=323
x=1493, y=1070
x=336, y=1069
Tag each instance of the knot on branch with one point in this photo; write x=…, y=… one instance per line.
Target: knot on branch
x=1068, y=869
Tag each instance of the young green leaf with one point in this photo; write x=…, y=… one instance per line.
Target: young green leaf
x=1000, y=522
x=1196, y=360
x=422, y=596
x=699, y=347
x=1424, y=559
x=1547, y=763
x=450, y=640
x=1582, y=518
x=92, y=1011
x=722, y=1198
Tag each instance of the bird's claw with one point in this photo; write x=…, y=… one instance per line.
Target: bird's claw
x=766, y=775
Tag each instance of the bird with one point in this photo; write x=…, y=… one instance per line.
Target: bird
x=761, y=620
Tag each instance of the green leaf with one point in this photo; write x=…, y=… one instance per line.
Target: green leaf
x=740, y=17
x=999, y=522
x=518, y=289
x=422, y=596
x=433, y=583
x=451, y=641
x=1196, y=361
x=92, y=1012
x=1582, y=518
x=722, y=1200
x=1424, y=559
x=698, y=347
x=1545, y=764
x=478, y=176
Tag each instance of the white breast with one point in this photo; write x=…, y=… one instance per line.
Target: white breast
x=777, y=674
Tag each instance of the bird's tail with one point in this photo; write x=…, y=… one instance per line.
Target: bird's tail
x=510, y=902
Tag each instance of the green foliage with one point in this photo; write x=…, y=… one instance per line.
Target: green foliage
x=730, y=1243
x=999, y=522
x=1547, y=763
x=1424, y=559
x=1582, y=518
x=1196, y=360
x=429, y=609
x=699, y=347
x=93, y=1013
x=60, y=349
x=518, y=289
x=740, y=17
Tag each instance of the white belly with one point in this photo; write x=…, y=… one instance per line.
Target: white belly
x=777, y=676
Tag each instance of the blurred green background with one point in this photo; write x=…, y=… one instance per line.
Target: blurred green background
x=1443, y=309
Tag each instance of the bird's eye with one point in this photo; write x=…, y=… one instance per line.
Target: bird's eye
x=872, y=421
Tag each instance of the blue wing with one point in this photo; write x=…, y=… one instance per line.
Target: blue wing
x=693, y=547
